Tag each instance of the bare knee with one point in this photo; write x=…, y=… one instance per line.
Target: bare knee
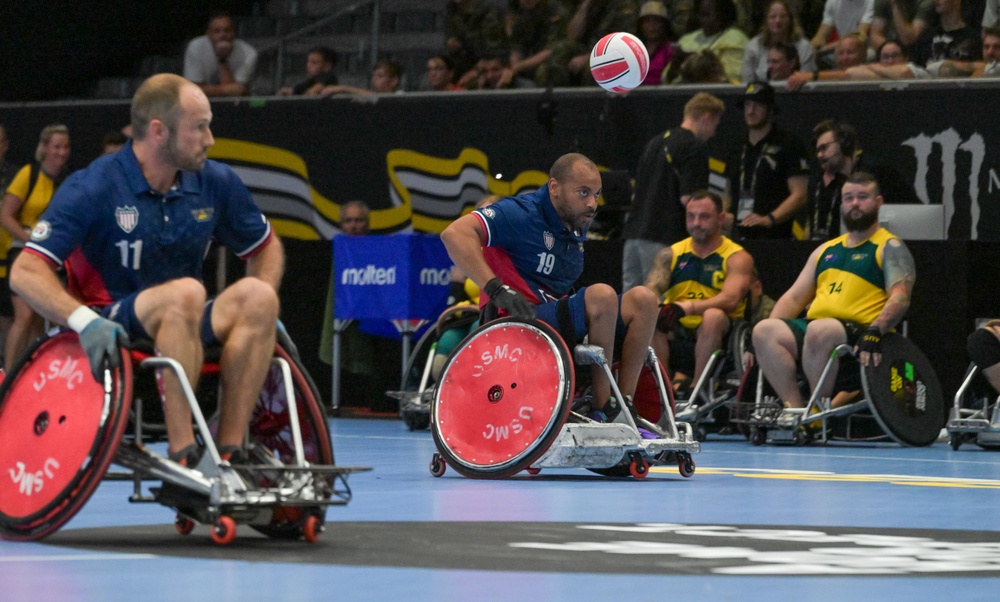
x=714, y=323
x=184, y=302
x=600, y=299
x=256, y=300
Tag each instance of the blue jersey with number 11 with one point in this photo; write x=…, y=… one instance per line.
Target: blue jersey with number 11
x=119, y=236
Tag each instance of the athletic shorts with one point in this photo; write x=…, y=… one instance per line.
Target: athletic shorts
x=123, y=312
x=848, y=377
x=798, y=327
x=569, y=317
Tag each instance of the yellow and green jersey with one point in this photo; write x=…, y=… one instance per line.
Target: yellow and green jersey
x=693, y=277
x=850, y=282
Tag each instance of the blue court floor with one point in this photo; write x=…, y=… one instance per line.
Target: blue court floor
x=834, y=522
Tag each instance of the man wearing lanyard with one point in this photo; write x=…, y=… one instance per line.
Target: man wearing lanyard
x=772, y=175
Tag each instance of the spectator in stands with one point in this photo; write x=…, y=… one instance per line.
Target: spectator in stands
x=495, y=73
x=440, y=74
x=654, y=31
x=781, y=27
x=320, y=62
x=902, y=20
x=113, y=142
x=850, y=52
x=835, y=144
x=219, y=63
x=471, y=28
x=532, y=28
x=718, y=33
x=782, y=61
x=386, y=77
x=27, y=197
x=988, y=67
x=702, y=67
x=683, y=17
x=772, y=175
x=991, y=15
x=592, y=20
x=952, y=39
x=843, y=17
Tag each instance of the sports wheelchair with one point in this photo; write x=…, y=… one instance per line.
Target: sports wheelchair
x=900, y=399
x=418, y=379
x=61, y=430
x=707, y=404
x=974, y=418
x=504, y=404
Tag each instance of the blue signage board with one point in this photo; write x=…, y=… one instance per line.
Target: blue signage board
x=394, y=277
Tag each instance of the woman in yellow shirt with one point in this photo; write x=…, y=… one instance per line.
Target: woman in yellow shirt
x=27, y=197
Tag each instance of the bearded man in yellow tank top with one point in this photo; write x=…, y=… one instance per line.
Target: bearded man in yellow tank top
x=857, y=288
x=703, y=281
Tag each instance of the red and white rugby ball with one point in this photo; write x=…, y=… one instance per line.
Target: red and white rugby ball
x=619, y=62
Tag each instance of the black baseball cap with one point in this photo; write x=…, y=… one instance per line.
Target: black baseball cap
x=759, y=92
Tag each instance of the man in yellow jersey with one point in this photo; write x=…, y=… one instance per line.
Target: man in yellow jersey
x=857, y=288
x=703, y=281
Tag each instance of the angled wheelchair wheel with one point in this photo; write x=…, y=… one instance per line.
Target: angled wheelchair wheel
x=503, y=397
x=270, y=429
x=904, y=393
x=60, y=431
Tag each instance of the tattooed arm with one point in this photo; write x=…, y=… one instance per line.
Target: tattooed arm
x=900, y=274
x=658, y=277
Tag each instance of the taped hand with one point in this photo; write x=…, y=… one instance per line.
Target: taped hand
x=509, y=300
x=101, y=340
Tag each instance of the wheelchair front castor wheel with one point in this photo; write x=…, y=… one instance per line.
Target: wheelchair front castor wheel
x=685, y=465
x=183, y=524
x=533, y=471
x=311, y=528
x=638, y=467
x=438, y=465
x=757, y=436
x=224, y=531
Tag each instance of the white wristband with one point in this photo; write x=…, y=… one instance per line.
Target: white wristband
x=81, y=317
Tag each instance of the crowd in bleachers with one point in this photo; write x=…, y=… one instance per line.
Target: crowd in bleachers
x=540, y=43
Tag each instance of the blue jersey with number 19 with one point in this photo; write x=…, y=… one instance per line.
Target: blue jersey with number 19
x=119, y=236
x=529, y=247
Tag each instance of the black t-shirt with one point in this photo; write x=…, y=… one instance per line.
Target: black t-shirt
x=824, y=206
x=763, y=170
x=936, y=44
x=674, y=164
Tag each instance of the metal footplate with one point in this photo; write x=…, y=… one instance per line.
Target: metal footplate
x=598, y=445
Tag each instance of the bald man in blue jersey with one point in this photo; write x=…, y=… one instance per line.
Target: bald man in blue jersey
x=526, y=252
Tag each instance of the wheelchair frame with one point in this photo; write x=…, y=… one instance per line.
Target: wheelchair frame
x=275, y=498
x=914, y=393
x=615, y=449
x=971, y=425
x=715, y=388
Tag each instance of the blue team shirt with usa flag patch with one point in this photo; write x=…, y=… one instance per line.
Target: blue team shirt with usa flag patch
x=117, y=236
x=529, y=247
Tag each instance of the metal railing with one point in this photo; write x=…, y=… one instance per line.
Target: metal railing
x=279, y=46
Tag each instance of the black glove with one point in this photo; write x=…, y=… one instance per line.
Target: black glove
x=670, y=317
x=509, y=300
x=101, y=340
x=870, y=340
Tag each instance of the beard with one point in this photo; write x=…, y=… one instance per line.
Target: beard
x=172, y=154
x=860, y=223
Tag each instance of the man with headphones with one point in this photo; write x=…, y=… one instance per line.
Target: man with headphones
x=835, y=148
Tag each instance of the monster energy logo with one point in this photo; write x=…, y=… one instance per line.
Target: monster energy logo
x=951, y=144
